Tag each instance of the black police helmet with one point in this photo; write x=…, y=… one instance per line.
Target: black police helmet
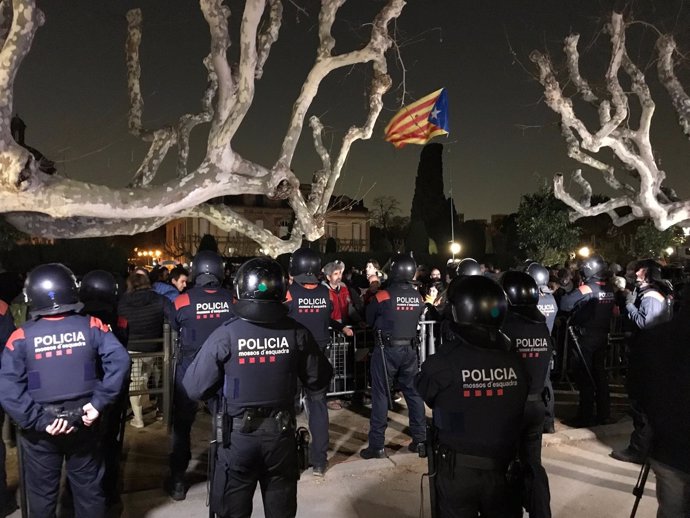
x=260, y=290
x=477, y=301
x=468, y=266
x=538, y=273
x=523, y=294
x=593, y=267
x=653, y=269
x=403, y=268
x=305, y=264
x=98, y=286
x=51, y=289
x=207, y=268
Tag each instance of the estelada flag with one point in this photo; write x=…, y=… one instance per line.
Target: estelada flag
x=419, y=122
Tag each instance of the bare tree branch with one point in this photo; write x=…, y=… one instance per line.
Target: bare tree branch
x=631, y=146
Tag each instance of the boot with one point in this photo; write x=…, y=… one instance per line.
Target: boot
x=138, y=419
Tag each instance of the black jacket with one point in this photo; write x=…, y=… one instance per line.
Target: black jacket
x=144, y=312
x=664, y=387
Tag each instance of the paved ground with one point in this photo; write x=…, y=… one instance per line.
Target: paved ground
x=585, y=481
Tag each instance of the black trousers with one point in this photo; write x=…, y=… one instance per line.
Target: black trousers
x=112, y=439
x=184, y=413
x=267, y=458
x=43, y=458
x=468, y=493
x=318, y=427
x=594, y=390
x=536, y=482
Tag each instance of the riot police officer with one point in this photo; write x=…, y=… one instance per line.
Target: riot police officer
x=477, y=388
x=468, y=266
x=526, y=328
x=98, y=292
x=257, y=358
x=548, y=307
x=197, y=313
x=7, y=503
x=394, y=314
x=51, y=387
x=591, y=307
x=646, y=307
x=309, y=303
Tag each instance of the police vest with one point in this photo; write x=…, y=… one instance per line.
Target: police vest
x=532, y=341
x=401, y=308
x=548, y=307
x=311, y=308
x=480, y=413
x=61, y=358
x=594, y=313
x=198, y=313
x=262, y=369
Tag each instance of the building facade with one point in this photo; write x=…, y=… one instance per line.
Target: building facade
x=346, y=228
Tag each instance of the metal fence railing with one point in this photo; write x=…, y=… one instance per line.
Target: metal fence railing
x=152, y=371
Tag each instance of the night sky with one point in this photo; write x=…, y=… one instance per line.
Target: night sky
x=71, y=91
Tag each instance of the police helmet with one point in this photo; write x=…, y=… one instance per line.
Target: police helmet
x=260, y=290
x=538, y=273
x=523, y=294
x=305, y=264
x=403, y=268
x=51, y=289
x=477, y=301
x=207, y=268
x=98, y=286
x=653, y=269
x=468, y=266
x=593, y=267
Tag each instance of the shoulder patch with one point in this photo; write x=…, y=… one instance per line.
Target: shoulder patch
x=3, y=308
x=585, y=290
x=122, y=322
x=97, y=323
x=288, y=296
x=382, y=296
x=18, y=334
x=181, y=301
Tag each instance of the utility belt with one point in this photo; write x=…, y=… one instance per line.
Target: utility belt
x=269, y=420
x=389, y=341
x=72, y=415
x=448, y=459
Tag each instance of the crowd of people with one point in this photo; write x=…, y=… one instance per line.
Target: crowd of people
x=249, y=343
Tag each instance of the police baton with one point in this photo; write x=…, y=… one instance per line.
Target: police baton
x=638, y=490
x=23, y=500
x=578, y=349
x=428, y=449
x=216, y=439
x=379, y=335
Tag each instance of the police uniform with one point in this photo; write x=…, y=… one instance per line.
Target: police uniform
x=6, y=329
x=310, y=305
x=394, y=314
x=257, y=366
x=549, y=308
x=477, y=396
x=592, y=306
x=530, y=337
x=650, y=308
x=56, y=363
x=197, y=313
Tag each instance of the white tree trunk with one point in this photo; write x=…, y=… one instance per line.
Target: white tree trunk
x=644, y=196
x=54, y=206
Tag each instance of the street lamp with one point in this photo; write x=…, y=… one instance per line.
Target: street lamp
x=669, y=250
x=584, y=251
x=455, y=248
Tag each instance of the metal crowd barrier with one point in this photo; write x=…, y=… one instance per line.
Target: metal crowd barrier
x=427, y=331
x=152, y=371
x=341, y=351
